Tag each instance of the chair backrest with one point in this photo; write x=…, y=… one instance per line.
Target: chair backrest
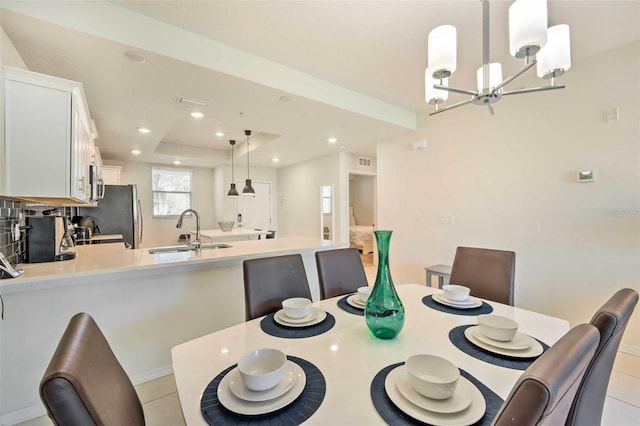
x=271, y=235
x=611, y=320
x=488, y=273
x=340, y=271
x=545, y=391
x=270, y=280
x=84, y=382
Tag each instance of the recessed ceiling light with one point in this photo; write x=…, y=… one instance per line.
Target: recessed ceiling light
x=135, y=57
x=197, y=114
x=275, y=159
x=177, y=162
x=343, y=146
x=144, y=130
x=219, y=134
x=136, y=152
x=332, y=140
x=285, y=98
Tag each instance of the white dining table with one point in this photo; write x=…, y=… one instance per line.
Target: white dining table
x=349, y=356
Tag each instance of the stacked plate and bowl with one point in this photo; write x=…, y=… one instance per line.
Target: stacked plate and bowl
x=430, y=389
x=299, y=312
x=457, y=296
x=263, y=381
x=500, y=335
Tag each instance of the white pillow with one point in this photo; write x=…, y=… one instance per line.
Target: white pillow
x=352, y=220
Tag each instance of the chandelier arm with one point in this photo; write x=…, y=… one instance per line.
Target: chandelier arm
x=459, y=104
x=455, y=90
x=533, y=89
x=516, y=75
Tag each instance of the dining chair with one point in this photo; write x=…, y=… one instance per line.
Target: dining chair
x=488, y=273
x=270, y=280
x=84, y=382
x=611, y=320
x=271, y=235
x=545, y=391
x=340, y=271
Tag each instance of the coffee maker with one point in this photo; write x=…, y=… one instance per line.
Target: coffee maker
x=48, y=239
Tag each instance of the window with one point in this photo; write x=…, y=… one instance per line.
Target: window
x=326, y=199
x=171, y=191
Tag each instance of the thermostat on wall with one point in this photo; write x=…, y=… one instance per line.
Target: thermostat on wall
x=586, y=176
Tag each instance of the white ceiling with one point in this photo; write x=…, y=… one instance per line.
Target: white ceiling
x=353, y=69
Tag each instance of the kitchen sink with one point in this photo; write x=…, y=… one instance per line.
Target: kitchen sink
x=175, y=249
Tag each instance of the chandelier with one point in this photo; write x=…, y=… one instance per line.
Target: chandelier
x=548, y=49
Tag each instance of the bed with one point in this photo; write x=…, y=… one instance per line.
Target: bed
x=360, y=236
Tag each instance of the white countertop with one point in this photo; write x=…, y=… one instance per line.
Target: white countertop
x=239, y=233
x=103, y=259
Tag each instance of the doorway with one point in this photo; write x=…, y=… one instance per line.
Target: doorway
x=254, y=211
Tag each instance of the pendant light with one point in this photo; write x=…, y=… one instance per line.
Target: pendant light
x=248, y=189
x=233, y=192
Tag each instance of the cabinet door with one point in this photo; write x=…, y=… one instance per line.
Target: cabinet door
x=37, y=140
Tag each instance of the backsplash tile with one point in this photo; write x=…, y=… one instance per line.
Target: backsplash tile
x=9, y=216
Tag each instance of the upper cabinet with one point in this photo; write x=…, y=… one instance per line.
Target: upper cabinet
x=49, y=139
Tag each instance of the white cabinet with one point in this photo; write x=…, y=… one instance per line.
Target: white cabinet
x=111, y=175
x=48, y=139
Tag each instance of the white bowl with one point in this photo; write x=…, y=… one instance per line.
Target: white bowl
x=296, y=307
x=456, y=293
x=497, y=327
x=262, y=369
x=364, y=293
x=432, y=376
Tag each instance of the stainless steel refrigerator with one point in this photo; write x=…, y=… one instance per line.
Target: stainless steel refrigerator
x=118, y=212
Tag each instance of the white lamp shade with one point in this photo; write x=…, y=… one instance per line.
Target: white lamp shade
x=432, y=95
x=555, y=58
x=442, y=49
x=527, y=24
x=495, y=76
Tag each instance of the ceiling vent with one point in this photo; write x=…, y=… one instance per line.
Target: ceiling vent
x=364, y=162
x=191, y=102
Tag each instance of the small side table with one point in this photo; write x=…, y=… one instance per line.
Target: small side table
x=441, y=271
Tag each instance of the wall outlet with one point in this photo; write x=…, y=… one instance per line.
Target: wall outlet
x=613, y=114
x=447, y=218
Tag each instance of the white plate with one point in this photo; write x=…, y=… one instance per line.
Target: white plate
x=460, y=400
x=471, y=303
x=532, y=351
x=519, y=342
x=354, y=300
x=468, y=302
x=317, y=315
x=313, y=313
x=241, y=391
x=467, y=416
x=237, y=405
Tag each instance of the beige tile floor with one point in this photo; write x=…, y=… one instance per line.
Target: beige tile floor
x=622, y=406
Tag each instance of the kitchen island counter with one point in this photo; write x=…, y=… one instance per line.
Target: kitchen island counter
x=108, y=259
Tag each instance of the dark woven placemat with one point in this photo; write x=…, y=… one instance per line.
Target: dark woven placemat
x=392, y=415
x=484, y=309
x=342, y=303
x=270, y=326
x=293, y=414
x=459, y=340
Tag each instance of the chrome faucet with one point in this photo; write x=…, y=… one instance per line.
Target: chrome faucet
x=193, y=245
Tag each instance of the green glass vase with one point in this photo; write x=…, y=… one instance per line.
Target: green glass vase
x=384, y=312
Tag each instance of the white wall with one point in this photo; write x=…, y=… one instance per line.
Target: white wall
x=362, y=198
x=299, y=196
x=509, y=179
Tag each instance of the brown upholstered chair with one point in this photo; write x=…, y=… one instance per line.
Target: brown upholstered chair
x=611, y=320
x=340, y=271
x=488, y=273
x=270, y=280
x=85, y=384
x=545, y=391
